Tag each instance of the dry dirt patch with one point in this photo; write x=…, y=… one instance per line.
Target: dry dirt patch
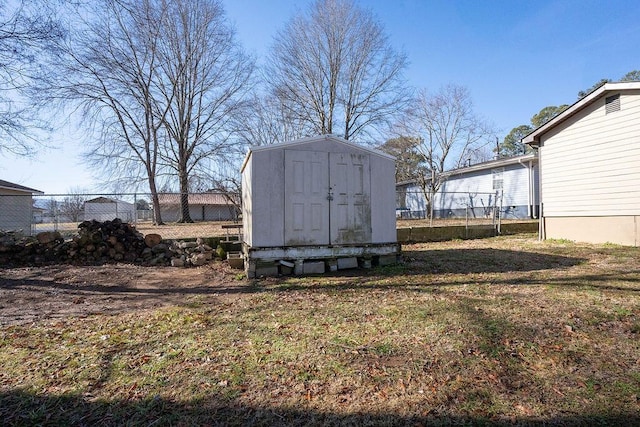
x=32, y=294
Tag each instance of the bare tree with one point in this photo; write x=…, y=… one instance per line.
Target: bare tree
x=204, y=79
x=72, y=206
x=27, y=30
x=268, y=122
x=409, y=163
x=231, y=189
x=451, y=134
x=333, y=69
x=157, y=82
x=109, y=71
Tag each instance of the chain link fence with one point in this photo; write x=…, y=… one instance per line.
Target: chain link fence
x=182, y=216
x=218, y=214
x=456, y=208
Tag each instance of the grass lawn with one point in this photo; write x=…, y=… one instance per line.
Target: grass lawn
x=495, y=331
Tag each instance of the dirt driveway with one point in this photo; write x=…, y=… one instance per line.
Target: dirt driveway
x=33, y=294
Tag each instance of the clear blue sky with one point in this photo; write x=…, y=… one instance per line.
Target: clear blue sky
x=514, y=56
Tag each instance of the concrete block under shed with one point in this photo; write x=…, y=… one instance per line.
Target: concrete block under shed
x=344, y=263
x=364, y=262
x=332, y=264
x=387, y=260
x=313, y=267
x=286, y=268
x=235, y=260
x=268, y=268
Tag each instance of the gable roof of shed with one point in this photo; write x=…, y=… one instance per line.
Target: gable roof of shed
x=534, y=137
x=17, y=187
x=103, y=200
x=312, y=139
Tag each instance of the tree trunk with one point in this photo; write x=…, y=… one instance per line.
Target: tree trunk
x=157, y=216
x=185, y=216
x=155, y=201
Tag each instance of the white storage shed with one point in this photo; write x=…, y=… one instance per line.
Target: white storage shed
x=107, y=209
x=319, y=198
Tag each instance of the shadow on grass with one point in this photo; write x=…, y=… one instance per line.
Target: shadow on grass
x=429, y=269
x=466, y=261
x=457, y=262
x=22, y=408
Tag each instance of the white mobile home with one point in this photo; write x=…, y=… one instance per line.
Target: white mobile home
x=318, y=198
x=16, y=207
x=590, y=168
x=510, y=183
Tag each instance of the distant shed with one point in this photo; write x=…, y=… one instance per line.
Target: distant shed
x=317, y=198
x=107, y=209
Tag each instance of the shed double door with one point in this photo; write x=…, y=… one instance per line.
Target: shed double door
x=327, y=198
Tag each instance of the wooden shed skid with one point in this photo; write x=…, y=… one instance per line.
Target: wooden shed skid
x=254, y=257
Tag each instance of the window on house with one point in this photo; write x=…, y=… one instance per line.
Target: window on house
x=612, y=103
x=497, y=178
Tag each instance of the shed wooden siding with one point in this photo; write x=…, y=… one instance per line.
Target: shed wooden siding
x=263, y=198
x=383, y=219
x=591, y=162
x=247, y=201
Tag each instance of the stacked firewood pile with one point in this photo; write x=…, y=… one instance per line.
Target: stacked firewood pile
x=104, y=241
x=15, y=248
x=101, y=242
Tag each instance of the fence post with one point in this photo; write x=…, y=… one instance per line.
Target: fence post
x=135, y=209
x=466, y=216
x=500, y=211
x=431, y=208
x=55, y=215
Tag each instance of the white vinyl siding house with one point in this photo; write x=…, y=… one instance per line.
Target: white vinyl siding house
x=590, y=167
x=410, y=202
x=473, y=190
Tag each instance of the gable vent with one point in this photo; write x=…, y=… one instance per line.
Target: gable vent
x=612, y=103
